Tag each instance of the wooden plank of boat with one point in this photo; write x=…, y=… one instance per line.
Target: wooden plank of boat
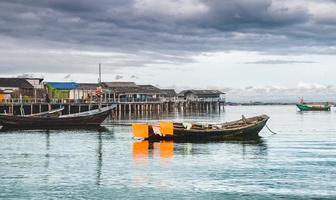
x=246, y=128
x=85, y=119
x=88, y=113
x=50, y=113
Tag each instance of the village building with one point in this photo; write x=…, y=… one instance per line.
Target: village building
x=85, y=92
x=131, y=92
x=60, y=91
x=169, y=95
x=37, y=83
x=16, y=88
x=201, y=95
x=149, y=93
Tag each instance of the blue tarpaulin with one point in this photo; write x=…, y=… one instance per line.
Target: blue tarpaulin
x=63, y=85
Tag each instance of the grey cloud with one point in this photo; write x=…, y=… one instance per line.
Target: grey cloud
x=134, y=77
x=118, y=77
x=163, y=35
x=246, y=14
x=25, y=76
x=280, y=62
x=310, y=93
x=67, y=76
x=120, y=26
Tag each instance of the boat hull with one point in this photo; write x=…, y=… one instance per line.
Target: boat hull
x=95, y=119
x=247, y=132
x=304, y=107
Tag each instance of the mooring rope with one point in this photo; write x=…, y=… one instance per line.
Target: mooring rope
x=270, y=130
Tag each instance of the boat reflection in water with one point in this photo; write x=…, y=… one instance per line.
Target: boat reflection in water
x=99, y=129
x=144, y=149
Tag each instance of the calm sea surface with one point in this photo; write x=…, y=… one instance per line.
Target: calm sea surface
x=297, y=163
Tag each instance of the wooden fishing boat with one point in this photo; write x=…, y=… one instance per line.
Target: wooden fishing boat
x=245, y=128
x=50, y=113
x=83, y=119
x=306, y=107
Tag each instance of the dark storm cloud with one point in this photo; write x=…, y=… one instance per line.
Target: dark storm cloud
x=174, y=30
x=126, y=25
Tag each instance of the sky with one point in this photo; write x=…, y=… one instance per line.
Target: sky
x=272, y=50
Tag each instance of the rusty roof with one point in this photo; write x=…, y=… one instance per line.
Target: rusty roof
x=201, y=92
x=150, y=89
x=90, y=86
x=131, y=88
x=118, y=84
x=169, y=92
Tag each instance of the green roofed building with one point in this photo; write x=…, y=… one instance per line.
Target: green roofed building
x=60, y=90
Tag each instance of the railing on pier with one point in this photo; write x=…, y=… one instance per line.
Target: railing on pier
x=107, y=101
x=155, y=105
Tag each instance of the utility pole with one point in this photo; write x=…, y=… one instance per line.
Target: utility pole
x=99, y=80
x=100, y=87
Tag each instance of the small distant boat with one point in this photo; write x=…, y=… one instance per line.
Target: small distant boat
x=245, y=128
x=49, y=120
x=306, y=107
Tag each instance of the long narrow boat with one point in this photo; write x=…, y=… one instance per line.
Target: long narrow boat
x=83, y=119
x=306, y=107
x=245, y=128
x=50, y=113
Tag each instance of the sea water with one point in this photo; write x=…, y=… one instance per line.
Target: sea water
x=299, y=162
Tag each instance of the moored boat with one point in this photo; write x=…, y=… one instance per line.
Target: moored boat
x=245, y=128
x=302, y=106
x=306, y=107
x=50, y=113
x=83, y=119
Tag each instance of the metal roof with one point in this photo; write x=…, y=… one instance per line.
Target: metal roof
x=63, y=85
x=15, y=82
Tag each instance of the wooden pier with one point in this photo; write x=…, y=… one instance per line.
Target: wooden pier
x=122, y=107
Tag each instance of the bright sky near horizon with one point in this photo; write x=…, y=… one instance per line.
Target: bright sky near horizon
x=285, y=48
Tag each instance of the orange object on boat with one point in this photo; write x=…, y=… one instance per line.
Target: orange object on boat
x=167, y=128
x=140, y=130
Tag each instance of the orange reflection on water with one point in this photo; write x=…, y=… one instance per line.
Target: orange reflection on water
x=140, y=150
x=166, y=149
